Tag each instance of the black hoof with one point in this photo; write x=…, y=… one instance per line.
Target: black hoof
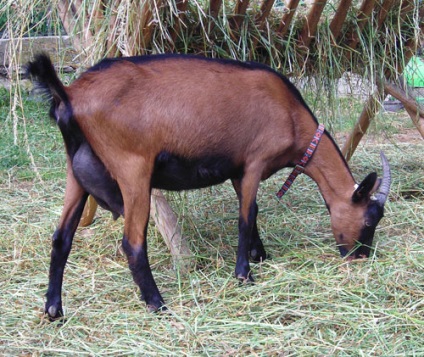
x=54, y=313
x=154, y=309
x=245, y=280
x=258, y=256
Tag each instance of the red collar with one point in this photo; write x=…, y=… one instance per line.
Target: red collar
x=300, y=167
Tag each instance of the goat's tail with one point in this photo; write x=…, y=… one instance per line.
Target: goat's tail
x=42, y=73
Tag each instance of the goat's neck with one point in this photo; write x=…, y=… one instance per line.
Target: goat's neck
x=331, y=173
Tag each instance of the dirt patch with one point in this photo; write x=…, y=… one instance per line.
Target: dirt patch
x=402, y=135
x=16, y=185
x=409, y=136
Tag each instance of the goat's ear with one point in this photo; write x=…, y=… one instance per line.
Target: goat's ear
x=366, y=188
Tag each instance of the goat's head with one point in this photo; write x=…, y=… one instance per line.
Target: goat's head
x=354, y=222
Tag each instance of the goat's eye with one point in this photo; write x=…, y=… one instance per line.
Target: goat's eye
x=368, y=224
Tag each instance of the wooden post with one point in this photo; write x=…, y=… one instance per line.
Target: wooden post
x=339, y=18
x=179, y=17
x=212, y=14
x=417, y=119
x=368, y=113
x=414, y=110
x=363, y=17
x=287, y=17
x=264, y=13
x=261, y=18
x=239, y=12
x=167, y=224
x=310, y=26
x=68, y=13
x=214, y=7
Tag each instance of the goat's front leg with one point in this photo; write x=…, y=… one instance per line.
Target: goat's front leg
x=247, y=190
x=75, y=198
x=137, y=207
x=256, y=248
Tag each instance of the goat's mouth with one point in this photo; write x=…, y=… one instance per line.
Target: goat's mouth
x=359, y=252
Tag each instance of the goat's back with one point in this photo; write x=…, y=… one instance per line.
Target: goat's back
x=173, y=102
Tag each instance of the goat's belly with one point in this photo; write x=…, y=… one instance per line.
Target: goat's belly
x=175, y=173
x=96, y=180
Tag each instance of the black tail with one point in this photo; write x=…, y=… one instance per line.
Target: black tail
x=41, y=71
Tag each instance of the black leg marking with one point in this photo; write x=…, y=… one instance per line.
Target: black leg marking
x=242, y=271
x=61, y=247
x=143, y=277
x=257, y=250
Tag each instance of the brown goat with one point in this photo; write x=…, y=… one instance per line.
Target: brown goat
x=182, y=122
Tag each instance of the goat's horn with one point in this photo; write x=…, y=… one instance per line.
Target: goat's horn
x=383, y=190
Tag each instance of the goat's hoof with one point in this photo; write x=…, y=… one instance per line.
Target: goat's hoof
x=54, y=313
x=245, y=280
x=258, y=256
x=153, y=308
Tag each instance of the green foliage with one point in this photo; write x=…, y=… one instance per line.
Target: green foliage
x=3, y=22
x=36, y=18
x=19, y=142
x=4, y=102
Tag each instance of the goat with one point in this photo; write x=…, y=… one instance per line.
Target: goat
x=179, y=122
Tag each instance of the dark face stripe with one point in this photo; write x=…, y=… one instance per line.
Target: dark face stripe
x=372, y=217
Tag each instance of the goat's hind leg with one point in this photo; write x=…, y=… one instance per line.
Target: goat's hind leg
x=75, y=198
